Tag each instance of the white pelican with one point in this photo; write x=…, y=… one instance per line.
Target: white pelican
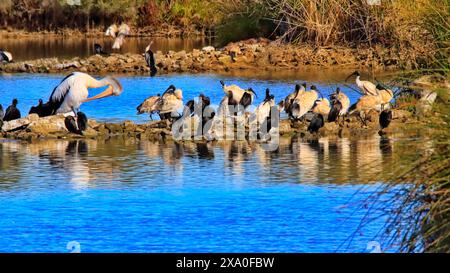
x=73, y=91
x=123, y=31
x=366, y=87
x=150, y=59
x=339, y=105
x=5, y=56
x=304, y=102
x=12, y=112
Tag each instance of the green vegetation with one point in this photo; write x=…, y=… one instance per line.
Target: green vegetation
x=419, y=220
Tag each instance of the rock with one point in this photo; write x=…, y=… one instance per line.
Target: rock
x=129, y=126
x=180, y=55
x=90, y=133
x=224, y=60
x=114, y=128
x=48, y=125
x=15, y=124
x=208, y=49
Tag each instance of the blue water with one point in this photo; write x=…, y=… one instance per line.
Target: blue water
x=138, y=196
x=28, y=89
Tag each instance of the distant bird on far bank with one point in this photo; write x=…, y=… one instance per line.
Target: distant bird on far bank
x=12, y=112
x=5, y=56
x=123, y=31
x=98, y=49
x=150, y=59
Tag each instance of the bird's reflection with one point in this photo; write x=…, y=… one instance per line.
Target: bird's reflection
x=88, y=163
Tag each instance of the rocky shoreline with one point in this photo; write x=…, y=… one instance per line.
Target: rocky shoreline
x=33, y=127
x=250, y=55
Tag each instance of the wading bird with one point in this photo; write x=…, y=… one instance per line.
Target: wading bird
x=78, y=126
x=304, y=102
x=150, y=59
x=386, y=95
x=339, y=105
x=366, y=87
x=322, y=106
x=149, y=106
x=12, y=112
x=385, y=118
x=316, y=123
x=123, y=31
x=236, y=96
x=5, y=56
x=98, y=49
x=263, y=113
x=365, y=104
x=112, y=31
x=73, y=91
x=170, y=104
x=288, y=101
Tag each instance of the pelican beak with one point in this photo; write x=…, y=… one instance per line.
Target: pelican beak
x=107, y=93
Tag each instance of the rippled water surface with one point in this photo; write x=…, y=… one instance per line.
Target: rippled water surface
x=137, y=196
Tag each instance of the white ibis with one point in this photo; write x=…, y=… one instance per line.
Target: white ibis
x=339, y=105
x=289, y=100
x=322, y=106
x=170, y=104
x=238, y=95
x=304, y=102
x=386, y=95
x=5, y=56
x=367, y=87
x=73, y=91
x=12, y=112
x=365, y=104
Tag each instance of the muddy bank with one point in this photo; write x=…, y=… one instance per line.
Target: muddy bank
x=249, y=55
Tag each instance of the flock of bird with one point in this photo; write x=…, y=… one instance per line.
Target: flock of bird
x=300, y=104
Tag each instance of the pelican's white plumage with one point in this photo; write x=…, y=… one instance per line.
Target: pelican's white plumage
x=73, y=91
